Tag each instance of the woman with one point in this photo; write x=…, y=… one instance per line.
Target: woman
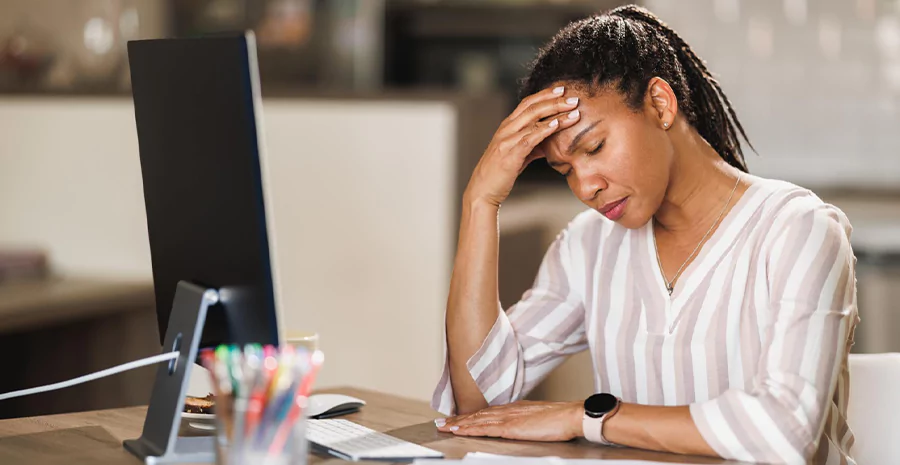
x=718, y=307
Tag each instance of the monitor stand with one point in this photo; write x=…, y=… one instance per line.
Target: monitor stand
x=159, y=443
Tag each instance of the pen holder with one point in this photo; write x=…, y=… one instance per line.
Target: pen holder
x=230, y=451
x=261, y=398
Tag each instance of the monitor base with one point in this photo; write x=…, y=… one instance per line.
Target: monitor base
x=159, y=442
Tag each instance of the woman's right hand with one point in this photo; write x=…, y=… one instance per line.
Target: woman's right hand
x=515, y=144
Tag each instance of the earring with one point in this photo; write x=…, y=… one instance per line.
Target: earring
x=665, y=125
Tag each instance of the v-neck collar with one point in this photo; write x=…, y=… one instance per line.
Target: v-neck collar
x=715, y=247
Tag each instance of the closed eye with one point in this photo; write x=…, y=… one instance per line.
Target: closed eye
x=597, y=148
x=593, y=151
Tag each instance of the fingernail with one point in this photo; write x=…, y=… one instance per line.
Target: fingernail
x=559, y=90
x=572, y=100
x=554, y=123
x=440, y=422
x=454, y=428
x=574, y=114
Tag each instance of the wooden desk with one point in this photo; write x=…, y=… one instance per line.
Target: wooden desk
x=95, y=438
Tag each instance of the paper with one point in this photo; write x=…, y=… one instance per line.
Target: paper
x=484, y=458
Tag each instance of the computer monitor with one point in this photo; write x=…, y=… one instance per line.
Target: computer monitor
x=196, y=106
x=195, y=109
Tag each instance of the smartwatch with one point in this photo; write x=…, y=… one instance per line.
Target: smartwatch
x=597, y=409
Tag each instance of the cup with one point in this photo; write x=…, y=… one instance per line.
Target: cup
x=261, y=399
x=245, y=451
x=308, y=340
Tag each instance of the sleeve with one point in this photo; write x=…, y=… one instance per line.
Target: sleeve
x=529, y=340
x=812, y=300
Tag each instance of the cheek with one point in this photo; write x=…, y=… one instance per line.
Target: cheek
x=642, y=170
x=646, y=157
x=645, y=150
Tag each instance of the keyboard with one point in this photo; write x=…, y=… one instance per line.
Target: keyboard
x=349, y=441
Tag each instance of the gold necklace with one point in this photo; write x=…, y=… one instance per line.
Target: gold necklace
x=670, y=285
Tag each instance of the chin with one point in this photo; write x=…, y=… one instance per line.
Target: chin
x=631, y=222
x=634, y=219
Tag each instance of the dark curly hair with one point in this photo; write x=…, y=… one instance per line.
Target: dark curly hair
x=626, y=48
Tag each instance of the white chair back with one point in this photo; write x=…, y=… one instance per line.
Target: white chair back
x=874, y=407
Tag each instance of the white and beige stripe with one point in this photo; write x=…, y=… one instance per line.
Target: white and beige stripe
x=754, y=339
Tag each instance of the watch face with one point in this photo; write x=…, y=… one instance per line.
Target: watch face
x=598, y=405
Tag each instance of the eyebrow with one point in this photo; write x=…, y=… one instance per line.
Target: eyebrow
x=576, y=141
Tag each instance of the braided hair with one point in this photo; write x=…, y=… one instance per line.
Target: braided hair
x=626, y=48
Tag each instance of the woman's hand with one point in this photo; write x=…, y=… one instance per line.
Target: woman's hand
x=523, y=420
x=515, y=144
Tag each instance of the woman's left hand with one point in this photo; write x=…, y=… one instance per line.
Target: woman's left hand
x=523, y=420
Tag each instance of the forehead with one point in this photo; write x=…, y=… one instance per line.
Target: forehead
x=602, y=106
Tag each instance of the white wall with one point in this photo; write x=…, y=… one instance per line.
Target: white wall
x=361, y=199
x=363, y=211
x=70, y=182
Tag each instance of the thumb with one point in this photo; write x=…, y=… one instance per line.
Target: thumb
x=534, y=155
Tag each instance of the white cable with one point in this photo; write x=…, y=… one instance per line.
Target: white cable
x=100, y=374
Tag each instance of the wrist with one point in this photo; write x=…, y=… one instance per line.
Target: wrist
x=611, y=425
x=599, y=409
x=475, y=203
x=576, y=419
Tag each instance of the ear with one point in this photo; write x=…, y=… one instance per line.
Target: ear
x=662, y=101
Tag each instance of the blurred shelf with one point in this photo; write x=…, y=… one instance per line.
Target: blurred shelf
x=291, y=92
x=28, y=304
x=498, y=19
x=548, y=5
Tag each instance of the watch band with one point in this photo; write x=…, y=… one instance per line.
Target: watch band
x=593, y=427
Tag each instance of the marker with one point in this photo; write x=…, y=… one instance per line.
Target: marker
x=299, y=405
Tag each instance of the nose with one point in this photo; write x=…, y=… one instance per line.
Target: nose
x=588, y=187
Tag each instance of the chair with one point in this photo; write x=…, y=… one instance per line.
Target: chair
x=874, y=407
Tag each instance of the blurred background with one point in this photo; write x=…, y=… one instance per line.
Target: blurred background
x=396, y=98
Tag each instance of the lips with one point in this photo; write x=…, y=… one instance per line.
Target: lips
x=614, y=210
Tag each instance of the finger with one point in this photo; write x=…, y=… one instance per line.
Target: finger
x=523, y=144
x=444, y=424
x=495, y=414
x=464, y=420
x=549, y=93
x=535, y=154
x=491, y=429
x=565, y=121
x=543, y=110
x=456, y=421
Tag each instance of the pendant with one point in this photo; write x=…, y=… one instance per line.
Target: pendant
x=671, y=289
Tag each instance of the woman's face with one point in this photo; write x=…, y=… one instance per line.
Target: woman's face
x=616, y=160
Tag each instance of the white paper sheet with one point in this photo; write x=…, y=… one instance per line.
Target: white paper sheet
x=484, y=458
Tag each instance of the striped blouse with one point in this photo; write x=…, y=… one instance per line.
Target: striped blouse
x=755, y=337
